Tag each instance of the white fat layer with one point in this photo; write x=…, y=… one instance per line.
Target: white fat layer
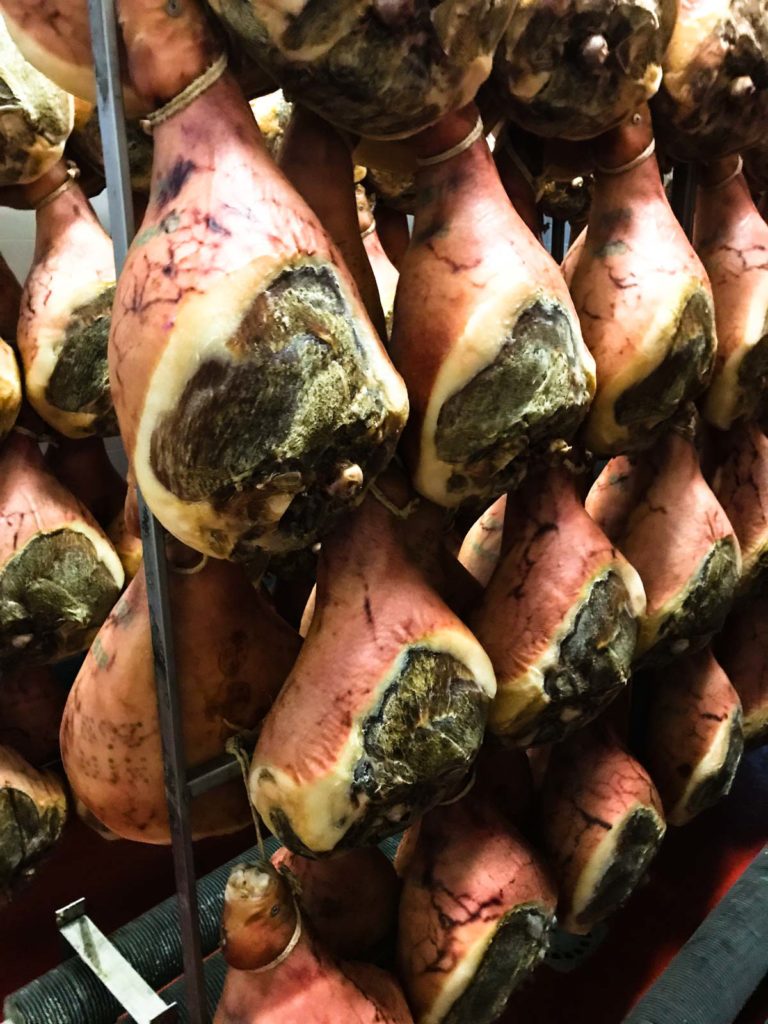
x=525, y=696
x=320, y=810
x=723, y=398
x=650, y=625
x=77, y=79
x=602, y=859
x=50, y=337
x=477, y=347
x=603, y=432
x=104, y=550
x=204, y=325
x=707, y=767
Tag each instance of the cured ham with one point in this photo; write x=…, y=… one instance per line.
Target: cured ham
x=66, y=310
x=254, y=398
x=694, y=736
x=37, y=117
x=377, y=69
x=732, y=240
x=559, y=617
x=33, y=810
x=59, y=575
x=475, y=914
x=642, y=296
x=350, y=899
x=384, y=270
x=742, y=649
x=317, y=162
x=601, y=823
x=481, y=548
x=713, y=99
x=405, y=694
x=233, y=653
x=658, y=509
x=484, y=332
x=280, y=973
x=740, y=481
x=571, y=72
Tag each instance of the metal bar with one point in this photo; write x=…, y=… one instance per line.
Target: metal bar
x=212, y=774
x=711, y=978
x=111, y=968
x=558, y=240
x=112, y=124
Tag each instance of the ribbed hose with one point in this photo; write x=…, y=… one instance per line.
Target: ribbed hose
x=71, y=994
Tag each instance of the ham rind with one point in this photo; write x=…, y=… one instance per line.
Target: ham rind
x=481, y=548
x=573, y=72
x=10, y=389
x=601, y=822
x=694, y=736
x=37, y=117
x=385, y=709
x=659, y=511
x=350, y=899
x=378, y=68
x=254, y=398
x=732, y=240
x=713, y=99
x=643, y=299
x=559, y=617
x=740, y=482
x=33, y=810
x=65, y=317
x=475, y=913
x=59, y=575
x=742, y=649
x=484, y=332
x=281, y=973
x=233, y=653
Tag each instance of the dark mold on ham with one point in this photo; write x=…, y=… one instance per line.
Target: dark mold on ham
x=80, y=380
x=274, y=420
x=54, y=595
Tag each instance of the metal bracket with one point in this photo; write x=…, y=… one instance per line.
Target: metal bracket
x=111, y=968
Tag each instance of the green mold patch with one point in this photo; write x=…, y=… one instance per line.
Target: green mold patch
x=27, y=831
x=534, y=392
x=80, y=380
x=753, y=375
x=54, y=595
x=520, y=940
x=681, y=376
x=295, y=406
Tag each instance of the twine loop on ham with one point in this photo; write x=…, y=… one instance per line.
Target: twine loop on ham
x=73, y=173
x=369, y=230
x=400, y=513
x=726, y=180
x=292, y=943
x=646, y=154
x=187, y=96
x=462, y=792
x=460, y=147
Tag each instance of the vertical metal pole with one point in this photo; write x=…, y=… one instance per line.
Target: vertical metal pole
x=115, y=148
x=557, y=242
x=684, y=184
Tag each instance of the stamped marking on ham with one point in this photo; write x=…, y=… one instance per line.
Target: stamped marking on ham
x=53, y=596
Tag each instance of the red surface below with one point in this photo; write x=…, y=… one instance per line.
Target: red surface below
x=694, y=869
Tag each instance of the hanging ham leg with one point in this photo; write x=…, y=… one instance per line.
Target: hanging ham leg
x=602, y=824
x=484, y=332
x=559, y=617
x=694, y=736
x=475, y=913
x=385, y=709
x=279, y=973
x=254, y=398
x=742, y=649
x=643, y=299
x=658, y=509
x=732, y=240
x=740, y=482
